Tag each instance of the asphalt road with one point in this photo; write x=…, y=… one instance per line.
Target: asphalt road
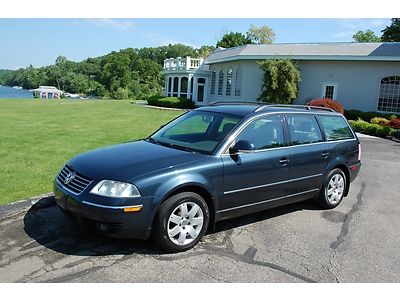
x=359, y=241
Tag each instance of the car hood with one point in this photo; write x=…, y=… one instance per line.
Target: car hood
x=126, y=161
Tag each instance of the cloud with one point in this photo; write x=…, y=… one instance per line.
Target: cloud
x=363, y=24
x=113, y=23
x=343, y=34
x=160, y=39
x=351, y=26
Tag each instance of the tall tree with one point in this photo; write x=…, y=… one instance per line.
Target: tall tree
x=367, y=36
x=233, y=39
x=280, y=82
x=260, y=35
x=392, y=32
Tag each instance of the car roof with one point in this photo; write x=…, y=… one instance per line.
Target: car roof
x=245, y=109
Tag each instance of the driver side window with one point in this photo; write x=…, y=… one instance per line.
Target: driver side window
x=264, y=133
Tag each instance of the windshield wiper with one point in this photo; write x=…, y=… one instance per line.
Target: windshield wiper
x=175, y=146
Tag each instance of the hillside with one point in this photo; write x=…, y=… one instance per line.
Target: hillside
x=127, y=74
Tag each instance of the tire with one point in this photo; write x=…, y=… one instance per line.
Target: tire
x=181, y=222
x=333, y=190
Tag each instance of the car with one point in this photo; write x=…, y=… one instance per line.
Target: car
x=213, y=163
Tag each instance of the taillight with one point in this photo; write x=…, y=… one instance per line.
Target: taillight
x=359, y=152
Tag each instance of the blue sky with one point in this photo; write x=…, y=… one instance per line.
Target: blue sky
x=40, y=41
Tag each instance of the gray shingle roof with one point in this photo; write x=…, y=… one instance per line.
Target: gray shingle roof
x=324, y=51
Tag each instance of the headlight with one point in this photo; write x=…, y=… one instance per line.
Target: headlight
x=110, y=188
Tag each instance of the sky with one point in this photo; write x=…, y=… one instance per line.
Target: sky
x=39, y=41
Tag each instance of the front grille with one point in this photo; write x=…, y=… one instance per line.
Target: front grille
x=78, y=183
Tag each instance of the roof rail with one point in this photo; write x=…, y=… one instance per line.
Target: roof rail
x=216, y=103
x=306, y=107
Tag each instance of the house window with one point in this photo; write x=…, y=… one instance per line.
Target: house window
x=329, y=90
x=229, y=82
x=169, y=86
x=184, y=86
x=175, y=87
x=213, y=79
x=389, y=94
x=221, y=82
x=238, y=82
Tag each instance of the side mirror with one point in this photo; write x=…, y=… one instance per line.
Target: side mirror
x=241, y=146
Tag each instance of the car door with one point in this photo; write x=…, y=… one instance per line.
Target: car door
x=308, y=154
x=259, y=175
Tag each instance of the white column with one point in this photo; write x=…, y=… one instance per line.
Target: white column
x=179, y=86
x=205, y=93
x=166, y=85
x=188, y=66
x=194, y=89
x=189, y=83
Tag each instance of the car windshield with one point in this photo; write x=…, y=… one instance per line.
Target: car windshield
x=196, y=131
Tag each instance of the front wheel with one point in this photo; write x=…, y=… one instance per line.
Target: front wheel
x=333, y=190
x=181, y=222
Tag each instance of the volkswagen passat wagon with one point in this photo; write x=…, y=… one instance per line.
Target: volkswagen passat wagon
x=210, y=164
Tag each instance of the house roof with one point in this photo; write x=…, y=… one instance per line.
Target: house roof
x=323, y=51
x=46, y=89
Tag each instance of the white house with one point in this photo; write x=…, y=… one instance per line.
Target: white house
x=364, y=76
x=46, y=92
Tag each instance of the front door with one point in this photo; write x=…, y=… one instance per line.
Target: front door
x=200, y=93
x=260, y=175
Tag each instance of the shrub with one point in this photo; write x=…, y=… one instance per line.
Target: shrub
x=395, y=123
x=396, y=134
x=121, y=94
x=380, y=121
x=172, y=102
x=354, y=114
x=326, y=102
x=371, y=129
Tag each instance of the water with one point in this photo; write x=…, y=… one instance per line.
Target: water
x=9, y=92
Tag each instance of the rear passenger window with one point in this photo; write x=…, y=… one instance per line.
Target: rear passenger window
x=303, y=129
x=335, y=128
x=264, y=133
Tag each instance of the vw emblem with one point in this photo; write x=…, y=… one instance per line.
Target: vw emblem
x=69, y=177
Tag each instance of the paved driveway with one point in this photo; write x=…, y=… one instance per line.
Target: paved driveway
x=357, y=242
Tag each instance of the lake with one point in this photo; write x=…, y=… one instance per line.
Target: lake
x=9, y=92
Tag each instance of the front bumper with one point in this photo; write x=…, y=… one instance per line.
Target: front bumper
x=107, y=219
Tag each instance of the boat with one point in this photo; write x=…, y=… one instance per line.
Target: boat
x=17, y=87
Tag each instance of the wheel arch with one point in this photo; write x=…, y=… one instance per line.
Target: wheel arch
x=200, y=190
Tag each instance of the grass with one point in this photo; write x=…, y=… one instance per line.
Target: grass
x=37, y=137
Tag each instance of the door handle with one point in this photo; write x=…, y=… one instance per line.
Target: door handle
x=325, y=154
x=283, y=161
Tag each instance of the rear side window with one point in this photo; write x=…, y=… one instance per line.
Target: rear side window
x=303, y=129
x=335, y=128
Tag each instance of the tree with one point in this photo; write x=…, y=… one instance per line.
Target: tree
x=392, y=32
x=367, y=36
x=280, y=82
x=260, y=35
x=233, y=39
x=204, y=51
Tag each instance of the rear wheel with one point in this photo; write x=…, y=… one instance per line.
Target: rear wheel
x=333, y=190
x=181, y=222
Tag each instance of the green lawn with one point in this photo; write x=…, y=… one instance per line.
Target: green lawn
x=37, y=137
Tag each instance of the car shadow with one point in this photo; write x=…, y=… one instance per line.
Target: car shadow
x=46, y=224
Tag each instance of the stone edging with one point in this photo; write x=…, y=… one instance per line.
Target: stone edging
x=40, y=201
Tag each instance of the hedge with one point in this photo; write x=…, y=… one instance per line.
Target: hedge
x=329, y=103
x=367, y=116
x=172, y=102
x=371, y=129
